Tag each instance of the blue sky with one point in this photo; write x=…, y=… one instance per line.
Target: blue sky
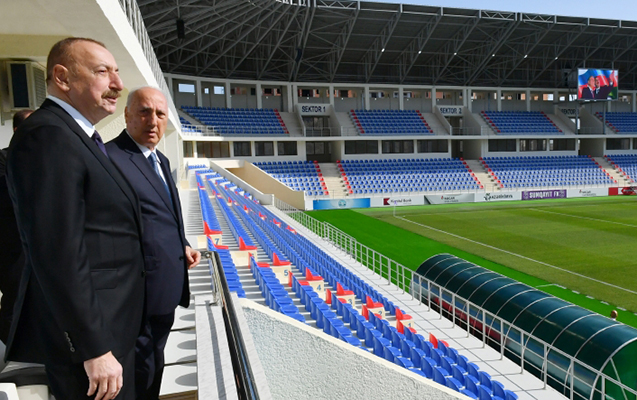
x=610, y=9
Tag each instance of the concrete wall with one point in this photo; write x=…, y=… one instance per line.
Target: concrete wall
x=224, y=169
x=267, y=184
x=513, y=105
x=560, y=116
x=590, y=122
x=344, y=104
x=472, y=149
x=474, y=121
x=6, y=133
x=299, y=361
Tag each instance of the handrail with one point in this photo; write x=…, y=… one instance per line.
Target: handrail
x=246, y=384
x=404, y=279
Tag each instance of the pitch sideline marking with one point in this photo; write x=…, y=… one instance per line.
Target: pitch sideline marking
x=516, y=255
x=551, y=284
x=582, y=217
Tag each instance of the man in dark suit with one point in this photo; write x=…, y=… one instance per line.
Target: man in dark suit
x=11, y=255
x=168, y=254
x=588, y=92
x=80, y=302
x=601, y=92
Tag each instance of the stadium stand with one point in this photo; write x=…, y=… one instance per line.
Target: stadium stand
x=520, y=122
x=390, y=122
x=625, y=164
x=330, y=293
x=620, y=122
x=546, y=171
x=239, y=121
x=403, y=176
x=297, y=175
x=189, y=129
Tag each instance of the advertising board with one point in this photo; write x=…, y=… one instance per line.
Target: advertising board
x=498, y=196
x=544, y=194
x=336, y=204
x=450, y=198
x=594, y=192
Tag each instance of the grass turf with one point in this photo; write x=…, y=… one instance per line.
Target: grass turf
x=558, y=246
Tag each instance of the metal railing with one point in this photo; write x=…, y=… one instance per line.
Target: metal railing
x=596, y=131
x=211, y=130
x=470, y=131
x=420, y=288
x=244, y=379
x=134, y=15
x=321, y=132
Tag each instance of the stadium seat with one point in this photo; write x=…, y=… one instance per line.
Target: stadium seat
x=520, y=122
x=390, y=122
x=243, y=122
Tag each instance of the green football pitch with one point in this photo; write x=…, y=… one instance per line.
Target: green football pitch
x=581, y=250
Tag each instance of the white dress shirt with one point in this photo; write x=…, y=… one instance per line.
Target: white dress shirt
x=79, y=118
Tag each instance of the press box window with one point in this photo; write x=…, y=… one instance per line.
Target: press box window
x=398, y=146
x=213, y=149
x=432, y=146
x=361, y=147
x=618, y=144
x=563, y=144
x=533, y=144
x=189, y=150
x=264, y=148
x=242, y=149
x=502, y=145
x=286, y=148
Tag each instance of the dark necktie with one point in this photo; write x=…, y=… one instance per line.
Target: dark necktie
x=152, y=158
x=99, y=142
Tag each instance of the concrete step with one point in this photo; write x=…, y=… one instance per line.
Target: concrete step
x=333, y=180
x=481, y=173
x=622, y=179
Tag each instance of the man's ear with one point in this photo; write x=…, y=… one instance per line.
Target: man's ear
x=61, y=76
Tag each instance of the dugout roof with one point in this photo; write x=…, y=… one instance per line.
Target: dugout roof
x=596, y=341
x=373, y=42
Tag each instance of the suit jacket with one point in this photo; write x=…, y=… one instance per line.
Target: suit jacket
x=11, y=256
x=587, y=93
x=603, y=92
x=3, y=161
x=11, y=247
x=82, y=290
x=164, y=238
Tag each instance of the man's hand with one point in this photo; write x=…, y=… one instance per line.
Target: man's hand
x=104, y=376
x=192, y=256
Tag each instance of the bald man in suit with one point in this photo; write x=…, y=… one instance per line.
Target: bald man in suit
x=168, y=254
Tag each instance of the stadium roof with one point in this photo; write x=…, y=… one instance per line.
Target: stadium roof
x=384, y=43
